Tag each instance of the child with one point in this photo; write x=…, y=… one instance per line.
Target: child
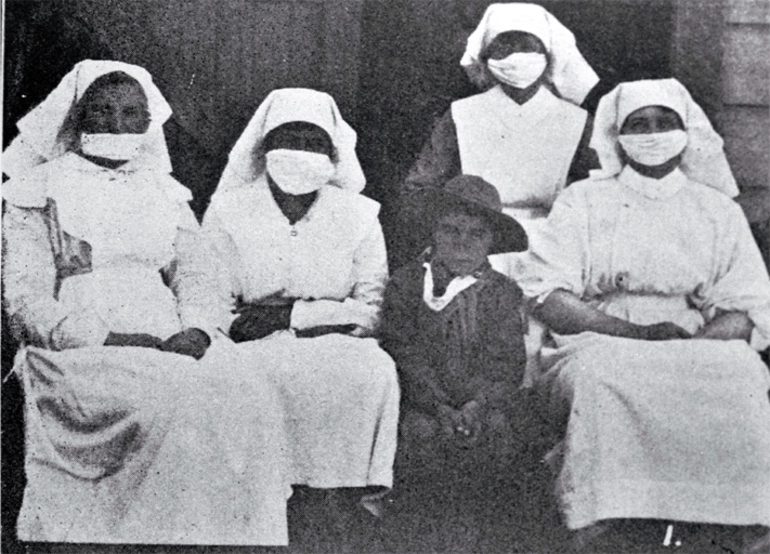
x=454, y=327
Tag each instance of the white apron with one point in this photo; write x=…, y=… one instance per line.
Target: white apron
x=524, y=151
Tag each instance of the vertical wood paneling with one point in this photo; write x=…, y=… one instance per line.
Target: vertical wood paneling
x=747, y=65
x=697, y=51
x=216, y=61
x=747, y=143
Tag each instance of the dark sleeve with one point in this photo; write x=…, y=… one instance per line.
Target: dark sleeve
x=439, y=159
x=585, y=157
x=438, y=162
x=400, y=337
x=591, y=101
x=502, y=356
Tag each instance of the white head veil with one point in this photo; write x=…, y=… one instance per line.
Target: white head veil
x=40, y=131
x=246, y=161
x=569, y=72
x=703, y=159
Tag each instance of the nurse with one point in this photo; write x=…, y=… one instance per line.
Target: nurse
x=525, y=133
x=139, y=425
x=302, y=265
x=657, y=298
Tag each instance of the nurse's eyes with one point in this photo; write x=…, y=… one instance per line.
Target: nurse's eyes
x=506, y=44
x=318, y=145
x=669, y=122
x=638, y=126
x=129, y=113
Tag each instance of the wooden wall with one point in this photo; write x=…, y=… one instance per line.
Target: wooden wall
x=745, y=118
x=217, y=60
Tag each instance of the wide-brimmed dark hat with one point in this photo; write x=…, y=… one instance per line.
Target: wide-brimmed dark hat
x=476, y=196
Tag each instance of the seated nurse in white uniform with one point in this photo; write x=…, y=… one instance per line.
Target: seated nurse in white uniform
x=139, y=427
x=655, y=291
x=526, y=133
x=303, y=267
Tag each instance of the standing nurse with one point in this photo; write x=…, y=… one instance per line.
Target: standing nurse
x=525, y=133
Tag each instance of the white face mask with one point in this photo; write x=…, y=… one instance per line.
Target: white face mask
x=654, y=148
x=125, y=146
x=299, y=172
x=520, y=69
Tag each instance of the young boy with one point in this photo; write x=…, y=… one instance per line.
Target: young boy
x=454, y=326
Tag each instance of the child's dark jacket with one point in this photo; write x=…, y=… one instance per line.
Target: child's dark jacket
x=472, y=349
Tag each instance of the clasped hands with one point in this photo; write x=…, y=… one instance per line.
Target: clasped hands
x=256, y=321
x=724, y=326
x=665, y=330
x=464, y=425
x=190, y=342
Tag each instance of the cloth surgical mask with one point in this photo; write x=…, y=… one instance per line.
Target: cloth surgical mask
x=299, y=172
x=654, y=148
x=520, y=69
x=124, y=146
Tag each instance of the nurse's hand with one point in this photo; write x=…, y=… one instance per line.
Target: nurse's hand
x=142, y=340
x=471, y=415
x=255, y=322
x=727, y=326
x=449, y=419
x=190, y=342
x=665, y=330
x=325, y=330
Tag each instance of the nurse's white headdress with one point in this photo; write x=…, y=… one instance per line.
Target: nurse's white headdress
x=703, y=159
x=246, y=161
x=569, y=72
x=42, y=137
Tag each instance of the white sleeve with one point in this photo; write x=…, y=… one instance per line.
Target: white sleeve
x=193, y=279
x=740, y=281
x=558, y=258
x=370, y=270
x=29, y=271
x=226, y=260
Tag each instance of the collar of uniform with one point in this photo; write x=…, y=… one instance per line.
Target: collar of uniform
x=537, y=106
x=654, y=189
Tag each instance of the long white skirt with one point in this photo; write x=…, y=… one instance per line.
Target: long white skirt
x=676, y=430
x=340, y=396
x=132, y=445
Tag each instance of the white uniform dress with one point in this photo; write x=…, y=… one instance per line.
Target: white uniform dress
x=128, y=444
x=677, y=429
x=340, y=393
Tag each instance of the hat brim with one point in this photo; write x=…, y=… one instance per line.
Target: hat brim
x=509, y=235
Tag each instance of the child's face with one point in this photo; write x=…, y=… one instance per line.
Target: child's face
x=462, y=242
